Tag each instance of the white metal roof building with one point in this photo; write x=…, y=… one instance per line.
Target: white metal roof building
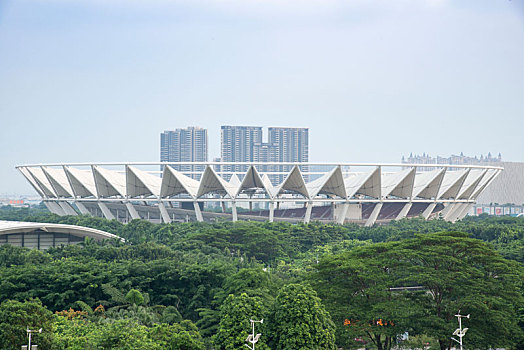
x=45, y=235
x=364, y=193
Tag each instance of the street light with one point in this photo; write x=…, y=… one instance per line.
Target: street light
x=252, y=338
x=460, y=332
x=29, y=333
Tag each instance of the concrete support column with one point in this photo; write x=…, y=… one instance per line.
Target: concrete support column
x=271, y=211
x=54, y=208
x=164, y=213
x=343, y=213
x=223, y=204
x=464, y=212
x=198, y=212
x=404, y=211
x=67, y=208
x=374, y=215
x=448, y=210
x=132, y=211
x=427, y=212
x=309, y=208
x=82, y=208
x=105, y=210
x=234, y=211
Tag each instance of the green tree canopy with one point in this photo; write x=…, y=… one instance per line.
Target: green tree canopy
x=455, y=273
x=299, y=320
x=235, y=315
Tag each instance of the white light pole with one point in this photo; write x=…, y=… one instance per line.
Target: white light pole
x=252, y=338
x=29, y=333
x=459, y=332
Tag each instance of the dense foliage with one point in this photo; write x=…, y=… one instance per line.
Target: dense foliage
x=177, y=286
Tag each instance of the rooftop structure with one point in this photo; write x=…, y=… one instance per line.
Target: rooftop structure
x=361, y=193
x=44, y=235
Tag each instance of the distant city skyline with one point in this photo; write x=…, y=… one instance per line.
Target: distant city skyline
x=95, y=81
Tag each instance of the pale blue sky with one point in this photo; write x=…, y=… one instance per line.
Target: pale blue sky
x=98, y=80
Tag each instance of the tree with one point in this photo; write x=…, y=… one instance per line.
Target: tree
x=455, y=272
x=299, y=320
x=462, y=273
x=234, y=327
x=16, y=317
x=355, y=286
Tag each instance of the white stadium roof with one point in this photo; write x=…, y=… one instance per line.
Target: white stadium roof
x=61, y=185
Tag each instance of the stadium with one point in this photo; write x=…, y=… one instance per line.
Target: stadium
x=293, y=192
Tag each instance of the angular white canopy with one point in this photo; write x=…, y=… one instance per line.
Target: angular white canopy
x=294, y=182
x=491, y=173
x=399, y=184
x=253, y=180
x=452, y=183
x=140, y=183
x=108, y=182
x=367, y=184
x=471, y=183
x=29, y=178
x=330, y=183
x=82, y=182
x=427, y=184
x=234, y=181
x=211, y=182
x=58, y=179
x=174, y=182
x=39, y=176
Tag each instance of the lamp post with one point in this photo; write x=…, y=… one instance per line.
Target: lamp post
x=252, y=338
x=460, y=332
x=29, y=333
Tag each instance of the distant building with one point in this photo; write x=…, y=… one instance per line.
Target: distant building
x=238, y=145
x=288, y=145
x=245, y=144
x=184, y=145
x=453, y=159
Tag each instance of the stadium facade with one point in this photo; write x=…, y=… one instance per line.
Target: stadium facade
x=43, y=236
x=338, y=192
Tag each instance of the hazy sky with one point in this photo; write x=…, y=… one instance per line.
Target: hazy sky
x=98, y=80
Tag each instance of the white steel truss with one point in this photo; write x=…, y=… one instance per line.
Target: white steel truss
x=128, y=190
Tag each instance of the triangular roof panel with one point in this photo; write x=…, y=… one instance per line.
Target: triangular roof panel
x=108, y=182
x=174, y=183
x=42, y=181
x=294, y=182
x=32, y=181
x=486, y=180
x=141, y=183
x=82, y=182
x=452, y=183
x=367, y=184
x=399, y=184
x=211, y=182
x=330, y=183
x=427, y=183
x=471, y=183
x=252, y=180
x=59, y=181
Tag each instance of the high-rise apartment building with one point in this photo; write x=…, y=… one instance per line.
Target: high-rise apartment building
x=288, y=145
x=245, y=144
x=184, y=145
x=238, y=145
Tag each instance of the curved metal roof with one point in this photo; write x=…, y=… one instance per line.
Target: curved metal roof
x=10, y=227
